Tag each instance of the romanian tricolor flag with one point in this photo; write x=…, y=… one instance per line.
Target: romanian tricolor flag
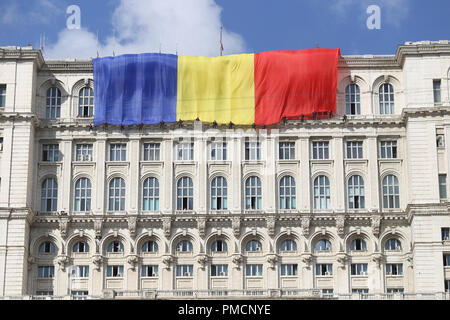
x=244, y=89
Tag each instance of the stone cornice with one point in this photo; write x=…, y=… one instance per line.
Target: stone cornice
x=18, y=53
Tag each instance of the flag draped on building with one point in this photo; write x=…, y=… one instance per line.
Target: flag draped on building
x=245, y=89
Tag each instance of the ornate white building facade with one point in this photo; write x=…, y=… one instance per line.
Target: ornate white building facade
x=352, y=205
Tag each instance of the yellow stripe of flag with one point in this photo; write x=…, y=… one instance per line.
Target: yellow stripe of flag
x=218, y=89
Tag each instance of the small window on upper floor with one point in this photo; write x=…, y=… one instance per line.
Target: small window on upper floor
x=320, y=150
x=354, y=149
x=185, y=151
x=437, y=90
x=388, y=149
x=50, y=152
x=84, y=152
x=152, y=151
x=86, y=103
x=287, y=150
x=440, y=141
x=218, y=151
x=352, y=100
x=445, y=234
x=2, y=96
x=118, y=152
x=252, y=150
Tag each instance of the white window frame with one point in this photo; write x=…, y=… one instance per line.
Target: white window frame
x=118, y=152
x=84, y=152
x=391, y=192
x=355, y=149
x=53, y=103
x=387, y=99
x=86, y=102
x=116, y=202
x=150, y=194
x=252, y=151
x=286, y=150
x=320, y=150
x=185, y=194
x=356, y=192
x=219, y=193
x=185, y=151
x=152, y=151
x=287, y=193
x=218, y=151
x=82, y=203
x=352, y=99
x=388, y=149
x=322, y=193
x=49, y=195
x=50, y=152
x=253, y=193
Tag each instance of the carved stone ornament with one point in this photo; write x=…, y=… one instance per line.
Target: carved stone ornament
x=167, y=260
x=342, y=259
x=167, y=226
x=98, y=228
x=270, y=221
x=132, y=223
x=97, y=260
x=375, y=223
x=340, y=225
x=305, y=226
x=31, y=260
x=377, y=258
x=307, y=259
x=272, y=260
x=410, y=259
x=202, y=261
x=133, y=261
x=63, y=224
x=236, y=225
x=62, y=260
x=237, y=260
x=201, y=225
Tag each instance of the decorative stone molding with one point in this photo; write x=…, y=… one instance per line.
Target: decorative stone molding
x=31, y=260
x=201, y=225
x=167, y=260
x=236, y=225
x=98, y=228
x=375, y=224
x=62, y=260
x=305, y=226
x=342, y=259
x=133, y=260
x=202, y=261
x=97, y=260
x=307, y=259
x=410, y=259
x=132, y=223
x=63, y=226
x=237, y=260
x=272, y=260
x=270, y=222
x=378, y=258
x=167, y=226
x=340, y=225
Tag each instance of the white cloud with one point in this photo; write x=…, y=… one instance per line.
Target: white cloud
x=191, y=26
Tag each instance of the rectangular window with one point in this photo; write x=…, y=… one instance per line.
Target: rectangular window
x=359, y=269
x=50, y=152
x=2, y=95
x=360, y=291
x=445, y=234
x=320, y=150
x=388, y=149
x=440, y=140
x=287, y=150
x=394, y=269
x=289, y=270
x=324, y=269
x=447, y=286
x=46, y=272
x=185, y=151
x=44, y=293
x=354, y=149
x=114, y=271
x=219, y=270
x=443, y=186
x=327, y=292
x=254, y=270
x=437, y=90
x=252, y=150
x=118, y=152
x=80, y=272
x=218, y=151
x=185, y=270
x=446, y=260
x=152, y=151
x=80, y=293
x=84, y=152
x=1, y=144
x=394, y=290
x=149, y=271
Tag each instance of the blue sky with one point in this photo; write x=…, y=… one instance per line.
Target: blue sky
x=191, y=27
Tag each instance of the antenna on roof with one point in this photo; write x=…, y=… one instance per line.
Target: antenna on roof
x=97, y=44
x=221, y=43
x=114, y=42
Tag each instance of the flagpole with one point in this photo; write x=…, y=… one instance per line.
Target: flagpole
x=221, y=43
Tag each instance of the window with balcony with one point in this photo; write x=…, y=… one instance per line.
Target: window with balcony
x=185, y=151
x=354, y=150
x=116, y=195
x=50, y=152
x=359, y=269
x=185, y=194
x=149, y=271
x=218, y=151
x=394, y=269
x=152, y=151
x=388, y=149
x=118, y=152
x=150, y=194
x=391, y=192
x=352, y=100
x=185, y=271
x=254, y=270
x=49, y=195
x=219, y=270
x=386, y=97
x=289, y=270
x=322, y=198
x=84, y=152
x=82, y=199
x=114, y=271
x=219, y=194
x=320, y=150
x=287, y=150
x=53, y=103
x=324, y=269
x=356, y=199
x=86, y=103
x=253, y=193
x=287, y=193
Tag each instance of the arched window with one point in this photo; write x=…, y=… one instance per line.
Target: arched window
x=393, y=245
x=150, y=195
x=47, y=247
x=82, y=195
x=219, y=246
x=253, y=245
x=115, y=246
x=117, y=195
x=150, y=246
x=80, y=247
x=323, y=245
x=356, y=192
x=253, y=198
x=288, y=245
x=185, y=194
x=322, y=193
x=386, y=98
x=352, y=100
x=219, y=192
x=49, y=195
x=86, y=103
x=53, y=103
x=287, y=193
x=358, y=245
x=185, y=246
x=391, y=194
